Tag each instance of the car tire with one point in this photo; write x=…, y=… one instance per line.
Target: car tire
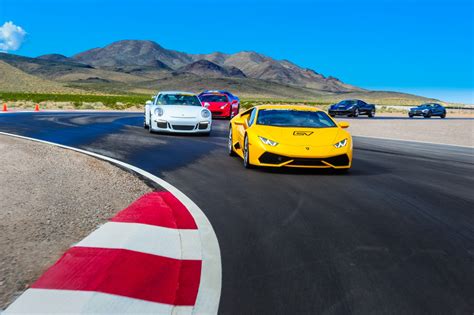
x=246, y=153
x=150, y=129
x=145, y=125
x=371, y=114
x=355, y=113
x=443, y=115
x=230, y=143
x=410, y=115
x=427, y=115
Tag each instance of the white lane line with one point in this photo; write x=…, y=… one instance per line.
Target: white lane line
x=47, y=301
x=416, y=141
x=209, y=293
x=155, y=240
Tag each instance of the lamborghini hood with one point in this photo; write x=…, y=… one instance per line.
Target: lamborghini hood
x=301, y=136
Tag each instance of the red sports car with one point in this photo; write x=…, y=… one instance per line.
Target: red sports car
x=220, y=103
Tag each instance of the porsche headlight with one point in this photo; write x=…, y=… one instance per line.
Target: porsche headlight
x=268, y=141
x=159, y=111
x=341, y=144
x=205, y=113
x=224, y=106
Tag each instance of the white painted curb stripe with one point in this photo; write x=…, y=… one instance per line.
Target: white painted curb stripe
x=46, y=301
x=155, y=240
x=207, y=301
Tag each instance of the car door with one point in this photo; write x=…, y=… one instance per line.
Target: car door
x=363, y=107
x=246, y=123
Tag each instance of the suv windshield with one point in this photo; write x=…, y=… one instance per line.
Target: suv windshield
x=294, y=118
x=178, y=99
x=213, y=98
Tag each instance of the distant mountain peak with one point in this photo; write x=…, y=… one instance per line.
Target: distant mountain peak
x=210, y=69
x=54, y=57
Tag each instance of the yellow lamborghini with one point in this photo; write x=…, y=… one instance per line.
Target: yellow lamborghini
x=290, y=136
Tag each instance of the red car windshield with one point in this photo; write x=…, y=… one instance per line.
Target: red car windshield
x=210, y=98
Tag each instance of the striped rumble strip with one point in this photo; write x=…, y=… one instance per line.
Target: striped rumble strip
x=146, y=259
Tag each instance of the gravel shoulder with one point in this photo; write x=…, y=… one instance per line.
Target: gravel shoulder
x=453, y=131
x=50, y=199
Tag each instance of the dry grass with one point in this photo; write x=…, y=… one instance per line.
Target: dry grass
x=15, y=80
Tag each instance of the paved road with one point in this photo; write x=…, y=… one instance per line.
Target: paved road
x=394, y=236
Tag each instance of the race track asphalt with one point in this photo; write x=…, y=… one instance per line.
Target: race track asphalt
x=393, y=236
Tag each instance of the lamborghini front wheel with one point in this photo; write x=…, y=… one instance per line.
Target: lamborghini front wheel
x=246, y=153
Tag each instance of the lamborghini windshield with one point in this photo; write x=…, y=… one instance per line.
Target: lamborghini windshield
x=294, y=118
x=178, y=99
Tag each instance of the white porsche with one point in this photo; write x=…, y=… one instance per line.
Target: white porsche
x=177, y=112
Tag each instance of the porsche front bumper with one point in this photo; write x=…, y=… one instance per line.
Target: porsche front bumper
x=181, y=126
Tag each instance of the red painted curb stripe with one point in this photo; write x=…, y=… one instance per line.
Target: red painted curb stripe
x=159, y=208
x=126, y=273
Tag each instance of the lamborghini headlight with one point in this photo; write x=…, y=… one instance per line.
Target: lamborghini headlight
x=159, y=111
x=341, y=144
x=268, y=141
x=205, y=113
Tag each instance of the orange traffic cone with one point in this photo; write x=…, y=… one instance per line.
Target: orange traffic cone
x=5, y=107
x=37, y=108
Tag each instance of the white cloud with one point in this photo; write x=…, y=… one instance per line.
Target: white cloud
x=11, y=36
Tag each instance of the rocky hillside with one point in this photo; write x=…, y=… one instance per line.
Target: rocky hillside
x=248, y=64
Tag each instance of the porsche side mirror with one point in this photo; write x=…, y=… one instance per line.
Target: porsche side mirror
x=149, y=103
x=344, y=124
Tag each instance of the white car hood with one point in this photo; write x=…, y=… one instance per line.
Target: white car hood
x=181, y=111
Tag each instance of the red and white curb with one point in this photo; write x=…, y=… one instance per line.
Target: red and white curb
x=160, y=255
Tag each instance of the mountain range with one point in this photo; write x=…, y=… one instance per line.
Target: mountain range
x=140, y=66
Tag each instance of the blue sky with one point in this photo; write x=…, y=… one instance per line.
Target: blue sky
x=422, y=46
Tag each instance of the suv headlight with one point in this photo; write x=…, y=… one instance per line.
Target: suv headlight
x=268, y=141
x=341, y=144
x=159, y=111
x=205, y=113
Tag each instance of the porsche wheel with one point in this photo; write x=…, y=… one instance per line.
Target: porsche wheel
x=150, y=129
x=145, y=125
x=246, y=153
x=427, y=115
x=443, y=115
x=230, y=144
x=372, y=113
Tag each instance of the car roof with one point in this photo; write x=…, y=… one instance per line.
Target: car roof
x=175, y=92
x=294, y=107
x=213, y=93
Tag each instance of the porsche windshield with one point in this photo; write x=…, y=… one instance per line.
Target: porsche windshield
x=294, y=118
x=178, y=99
